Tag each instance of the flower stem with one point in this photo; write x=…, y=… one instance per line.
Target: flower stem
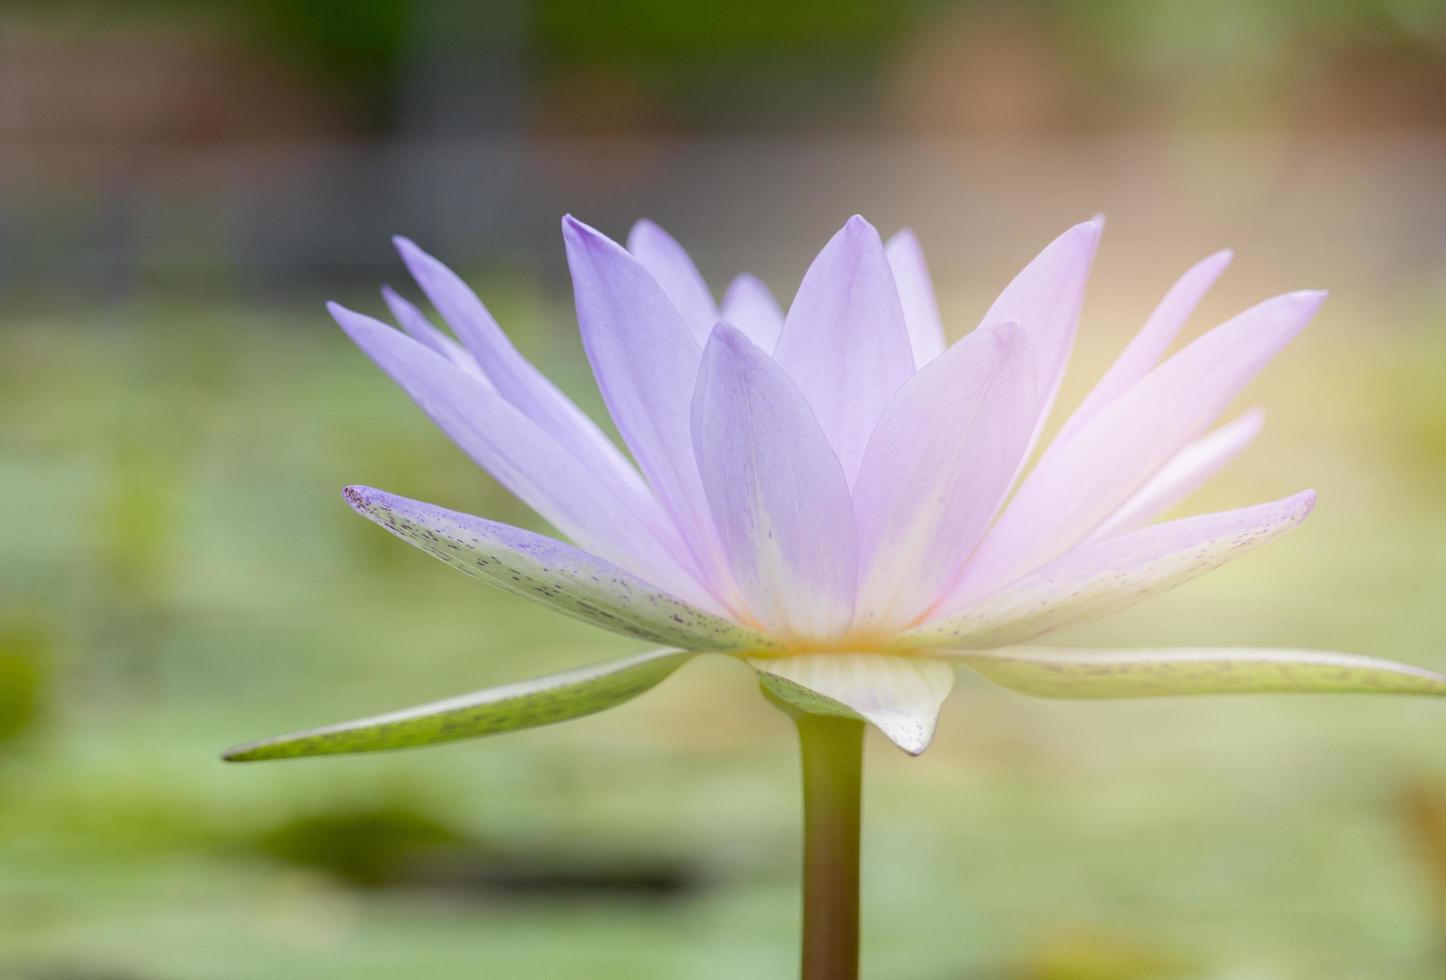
x=832, y=751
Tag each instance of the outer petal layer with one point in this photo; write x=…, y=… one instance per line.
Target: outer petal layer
x=1045, y=298
x=516, y=379
x=646, y=362
x=1052, y=672
x=547, y=571
x=844, y=342
x=541, y=701
x=1102, y=578
x=671, y=265
x=420, y=329
x=778, y=495
x=522, y=456
x=1149, y=345
x=900, y=696
x=1191, y=468
x=1077, y=487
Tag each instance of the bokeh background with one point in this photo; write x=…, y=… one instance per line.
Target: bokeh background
x=183, y=184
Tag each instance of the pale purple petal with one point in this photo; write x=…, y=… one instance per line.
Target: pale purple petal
x=750, y=307
x=646, y=364
x=420, y=329
x=1100, y=579
x=523, y=386
x=1149, y=345
x=1077, y=488
x=844, y=342
x=900, y=696
x=777, y=492
x=1045, y=298
x=1052, y=672
x=671, y=265
x=523, y=457
x=936, y=469
x=1187, y=472
x=557, y=575
x=916, y=295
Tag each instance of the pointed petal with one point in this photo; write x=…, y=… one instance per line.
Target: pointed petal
x=844, y=342
x=674, y=270
x=518, y=381
x=1102, y=578
x=776, y=489
x=900, y=696
x=1076, y=488
x=916, y=295
x=750, y=307
x=420, y=329
x=936, y=469
x=1045, y=298
x=521, y=455
x=555, y=574
x=1187, y=472
x=646, y=364
x=1149, y=345
x=1054, y=672
x=541, y=701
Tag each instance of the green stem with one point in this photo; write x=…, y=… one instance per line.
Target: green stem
x=832, y=751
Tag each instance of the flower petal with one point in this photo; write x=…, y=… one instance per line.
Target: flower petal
x=777, y=492
x=646, y=364
x=1075, y=489
x=844, y=342
x=541, y=701
x=1149, y=345
x=1045, y=298
x=1183, y=475
x=916, y=295
x=518, y=381
x=750, y=307
x=523, y=457
x=1099, y=579
x=674, y=270
x=937, y=467
x=1054, y=672
x=555, y=574
x=420, y=329
x=900, y=696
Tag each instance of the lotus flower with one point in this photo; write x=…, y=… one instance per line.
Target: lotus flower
x=825, y=494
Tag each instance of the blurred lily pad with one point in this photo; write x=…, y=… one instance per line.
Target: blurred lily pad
x=24, y=652
x=395, y=846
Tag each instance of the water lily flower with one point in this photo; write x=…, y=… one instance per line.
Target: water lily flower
x=833, y=496
x=824, y=494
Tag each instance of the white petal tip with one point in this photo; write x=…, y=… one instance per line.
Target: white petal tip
x=900, y=696
x=911, y=733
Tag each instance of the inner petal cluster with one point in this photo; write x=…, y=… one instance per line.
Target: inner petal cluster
x=833, y=475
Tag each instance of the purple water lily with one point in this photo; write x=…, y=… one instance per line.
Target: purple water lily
x=826, y=493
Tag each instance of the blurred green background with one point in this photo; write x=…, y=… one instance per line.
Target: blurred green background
x=182, y=185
